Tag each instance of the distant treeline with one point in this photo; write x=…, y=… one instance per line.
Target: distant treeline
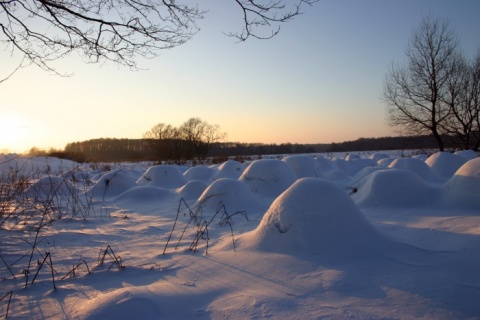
x=116, y=150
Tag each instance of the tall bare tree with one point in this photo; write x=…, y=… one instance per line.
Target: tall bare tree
x=120, y=31
x=192, y=139
x=415, y=94
x=463, y=95
x=199, y=136
x=163, y=139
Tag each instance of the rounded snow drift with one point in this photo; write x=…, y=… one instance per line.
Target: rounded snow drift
x=445, y=164
x=416, y=166
x=303, y=166
x=192, y=189
x=463, y=189
x=376, y=156
x=163, y=176
x=230, y=169
x=268, y=177
x=50, y=187
x=201, y=173
x=233, y=194
x=467, y=154
x=141, y=194
x=392, y=188
x=314, y=216
x=111, y=184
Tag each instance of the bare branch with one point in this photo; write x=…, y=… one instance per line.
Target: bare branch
x=121, y=31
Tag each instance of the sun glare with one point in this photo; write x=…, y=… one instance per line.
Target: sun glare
x=11, y=134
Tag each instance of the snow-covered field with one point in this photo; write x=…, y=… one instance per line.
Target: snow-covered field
x=371, y=236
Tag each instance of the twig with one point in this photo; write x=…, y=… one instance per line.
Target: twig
x=10, y=294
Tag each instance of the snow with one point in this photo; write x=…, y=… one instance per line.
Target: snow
x=382, y=235
x=445, y=164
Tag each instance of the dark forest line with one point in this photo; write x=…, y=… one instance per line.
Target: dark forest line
x=117, y=150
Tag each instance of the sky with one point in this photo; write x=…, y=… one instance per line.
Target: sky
x=319, y=80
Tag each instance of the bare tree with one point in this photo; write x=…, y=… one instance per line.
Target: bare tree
x=416, y=94
x=463, y=95
x=119, y=31
x=192, y=139
x=199, y=135
x=163, y=139
x=260, y=15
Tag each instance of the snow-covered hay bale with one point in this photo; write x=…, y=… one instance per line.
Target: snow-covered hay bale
x=163, y=176
x=230, y=169
x=467, y=154
x=378, y=156
x=201, y=173
x=330, y=171
x=144, y=194
x=235, y=195
x=392, y=188
x=192, y=189
x=352, y=167
x=317, y=217
x=445, y=164
x=303, y=166
x=50, y=187
x=422, y=156
x=352, y=156
x=268, y=177
x=112, y=184
x=361, y=175
x=416, y=166
x=385, y=162
x=463, y=189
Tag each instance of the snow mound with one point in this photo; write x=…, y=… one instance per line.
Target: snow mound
x=35, y=166
x=235, y=195
x=268, y=177
x=467, y=154
x=385, y=162
x=392, y=188
x=111, y=184
x=445, y=164
x=50, y=187
x=144, y=194
x=192, y=189
x=463, y=189
x=163, y=176
x=330, y=171
x=417, y=166
x=352, y=167
x=422, y=156
x=314, y=216
x=201, y=173
x=303, y=166
x=229, y=169
x=378, y=156
x=352, y=156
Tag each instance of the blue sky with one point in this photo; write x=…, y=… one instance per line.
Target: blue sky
x=319, y=81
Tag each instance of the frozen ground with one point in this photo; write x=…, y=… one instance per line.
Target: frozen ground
x=370, y=236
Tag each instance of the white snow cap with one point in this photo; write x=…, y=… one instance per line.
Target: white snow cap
x=445, y=164
x=235, y=195
x=268, y=177
x=314, y=216
x=463, y=189
x=392, y=188
x=164, y=176
x=304, y=166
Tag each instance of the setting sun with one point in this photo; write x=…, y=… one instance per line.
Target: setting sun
x=12, y=133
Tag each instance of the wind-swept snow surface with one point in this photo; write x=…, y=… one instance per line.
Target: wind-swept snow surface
x=368, y=236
